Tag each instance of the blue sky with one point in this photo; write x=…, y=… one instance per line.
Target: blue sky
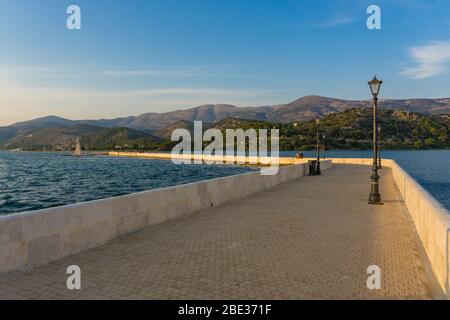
x=137, y=56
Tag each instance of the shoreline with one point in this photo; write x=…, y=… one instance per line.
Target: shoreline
x=156, y=151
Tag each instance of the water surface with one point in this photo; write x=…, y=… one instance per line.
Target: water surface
x=38, y=180
x=32, y=180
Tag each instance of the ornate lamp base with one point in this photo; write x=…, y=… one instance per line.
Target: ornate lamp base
x=375, y=199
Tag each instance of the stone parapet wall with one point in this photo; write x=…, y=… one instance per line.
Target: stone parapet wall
x=35, y=238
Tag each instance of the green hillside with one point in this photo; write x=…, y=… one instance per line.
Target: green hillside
x=352, y=129
x=120, y=138
x=91, y=138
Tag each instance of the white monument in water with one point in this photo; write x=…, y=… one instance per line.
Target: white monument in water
x=77, y=148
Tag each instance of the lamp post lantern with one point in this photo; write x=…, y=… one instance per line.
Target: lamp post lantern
x=379, y=148
x=324, y=145
x=375, y=197
x=318, y=172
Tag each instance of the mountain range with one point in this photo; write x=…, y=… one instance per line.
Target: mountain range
x=306, y=108
x=152, y=128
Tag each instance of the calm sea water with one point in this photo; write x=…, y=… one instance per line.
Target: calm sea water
x=32, y=181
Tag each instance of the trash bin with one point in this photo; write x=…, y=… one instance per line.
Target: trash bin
x=312, y=167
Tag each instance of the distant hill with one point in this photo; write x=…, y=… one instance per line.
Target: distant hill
x=155, y=121
x=45, y=122
x=352, y=129
x=234, y=123
x=349, y=129
x=120, y=138
x=91, y=137
x=22, y=128
x=149, y=128
x=166, y=132
x=400, y=129
x=54, y=137
x=306, y=108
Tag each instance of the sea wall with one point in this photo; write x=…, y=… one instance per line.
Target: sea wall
x=431, y=219
x=35, y=238
x=432, y=223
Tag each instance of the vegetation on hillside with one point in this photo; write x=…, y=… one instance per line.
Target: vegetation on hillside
x=353, y=129
x=120, y=138
x=350, y=129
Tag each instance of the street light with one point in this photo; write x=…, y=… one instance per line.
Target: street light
x=318, y=148
x=375, y=197
x=379, y=148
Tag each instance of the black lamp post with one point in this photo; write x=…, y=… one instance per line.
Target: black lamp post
x=318, y=172
x=375, y=197
x=379, y=148
x=324, y=145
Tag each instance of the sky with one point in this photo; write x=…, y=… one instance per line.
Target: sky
x=136, y=56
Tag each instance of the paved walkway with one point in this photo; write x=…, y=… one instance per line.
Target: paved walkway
x=313, y=237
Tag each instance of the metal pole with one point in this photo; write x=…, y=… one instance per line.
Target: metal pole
x=324, y=145
x=318, y=150
x=375, y=197
x=379, y=148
